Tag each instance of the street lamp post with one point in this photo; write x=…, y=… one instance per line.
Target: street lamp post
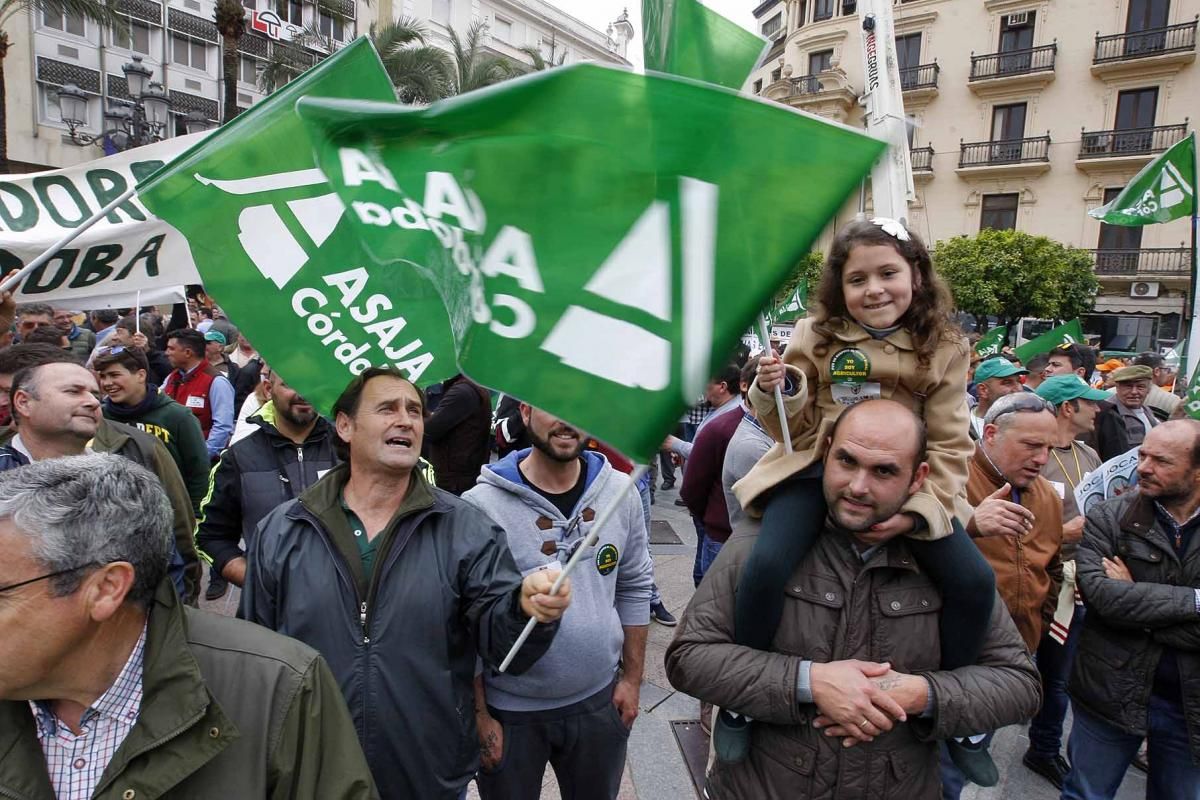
x=127, y=123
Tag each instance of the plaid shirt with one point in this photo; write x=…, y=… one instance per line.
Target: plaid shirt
x=75, y=763
x=698, y=412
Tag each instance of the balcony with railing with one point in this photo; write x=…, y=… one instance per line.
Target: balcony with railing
x=1031, y=67
x=1151, y=262
x=1132, y=144
x=825, y=93
x=1173, y=44
x=1028, y=156
x=919, y=78
x=922, y=160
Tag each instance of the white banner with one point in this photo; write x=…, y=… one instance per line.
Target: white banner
x=1107, y=481
x=128, y=250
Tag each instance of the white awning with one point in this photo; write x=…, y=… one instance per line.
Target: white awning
x=1115, y=304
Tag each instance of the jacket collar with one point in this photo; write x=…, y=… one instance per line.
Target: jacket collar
x=851, y=333
x=1139, y=520
x=322, y=430
x=175, y=701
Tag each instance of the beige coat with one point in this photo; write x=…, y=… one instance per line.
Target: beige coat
x=938, y=394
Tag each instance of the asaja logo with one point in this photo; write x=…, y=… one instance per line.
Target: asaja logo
x=849, y=366
x=606, y=559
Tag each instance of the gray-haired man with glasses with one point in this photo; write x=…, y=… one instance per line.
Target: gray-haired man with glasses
x=111, y=688
x=1017, y=523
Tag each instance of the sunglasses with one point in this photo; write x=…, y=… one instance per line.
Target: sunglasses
x=47, y=576
x=1021, y=403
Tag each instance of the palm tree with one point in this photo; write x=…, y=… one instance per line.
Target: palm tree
x=420, y=72
x=540, y=63
x=472, y=68
x=230, y=17
x=284, y=62
x=102, y=12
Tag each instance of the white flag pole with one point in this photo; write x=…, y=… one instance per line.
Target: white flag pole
x=601, y=520
x=11, y=282
x=137, y=313
x=783, y=425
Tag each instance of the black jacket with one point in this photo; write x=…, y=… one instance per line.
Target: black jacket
x=458, y=434
x=254, y=476
x=1110, y=440
x=402, y=642
x=1129, y=626
x=248, y=377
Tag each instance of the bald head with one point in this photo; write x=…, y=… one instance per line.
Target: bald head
x=875, y=461
x=894, y=422
x=1169, y=462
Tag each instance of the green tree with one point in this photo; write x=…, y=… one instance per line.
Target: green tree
x=474, y=69
x=541, y=62
x=420, y=72
x=230, y=18
x=807, y=270
x=1010, y=274
x=102, y=12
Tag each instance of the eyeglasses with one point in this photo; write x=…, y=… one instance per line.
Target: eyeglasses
x=12, y=586
x=1019, y=402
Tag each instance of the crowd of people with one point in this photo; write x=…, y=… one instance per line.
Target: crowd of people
x=891, y=565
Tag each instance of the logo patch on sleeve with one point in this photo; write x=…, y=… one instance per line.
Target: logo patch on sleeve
x=606, y=559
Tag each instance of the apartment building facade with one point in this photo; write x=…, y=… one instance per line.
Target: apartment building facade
x=1023, y=114
x=178, y=40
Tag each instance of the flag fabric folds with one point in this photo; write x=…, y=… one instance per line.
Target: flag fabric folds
x=273, y=246
x=682, y=37
x=992, y=342
x=1164, y=190
x=1067, y=333
x=600, y=238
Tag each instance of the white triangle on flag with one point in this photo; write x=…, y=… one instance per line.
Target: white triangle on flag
x=318, y=215
x=638, y=272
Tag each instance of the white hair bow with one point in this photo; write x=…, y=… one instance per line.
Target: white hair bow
x=891, y=227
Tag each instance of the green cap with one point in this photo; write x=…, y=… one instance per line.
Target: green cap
x=1061, y=388
x=997, y=368
x=215, y=336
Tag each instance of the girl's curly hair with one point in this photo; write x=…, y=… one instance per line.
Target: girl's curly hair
x=927, y=319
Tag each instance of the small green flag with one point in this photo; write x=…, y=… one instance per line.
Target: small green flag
x=1192, y=399
x=992, y=342
x=1164, y=190
x=600, y=238
x=683, y=37
x=794, y=307
x=1067, y=333
x=272, y=243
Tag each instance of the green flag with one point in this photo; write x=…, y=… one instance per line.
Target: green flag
x=273, y=245
x=1067, y=333
x=1164, y=190
x=1192, y=398
x=683, y=37
x=794, y=306
x=600, y=238
x=992, y=342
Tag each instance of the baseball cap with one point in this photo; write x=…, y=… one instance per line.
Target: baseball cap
x=997, y=368
x=1110, y=365
x=215, y=336
x=1134, y=373
x=1061, y=388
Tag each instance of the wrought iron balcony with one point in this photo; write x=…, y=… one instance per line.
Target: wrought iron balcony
x=1155, y=261
x=1141, y=44
x=806, y=84
x=1013, y=62
x=1005, y=151
x=922, y=159
x=1130, y=141
x=924, y=76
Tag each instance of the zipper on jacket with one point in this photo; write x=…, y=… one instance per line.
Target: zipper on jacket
x=362, y=620
x=300, y=454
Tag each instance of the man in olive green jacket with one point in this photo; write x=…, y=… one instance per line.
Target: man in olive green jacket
x=202, y=706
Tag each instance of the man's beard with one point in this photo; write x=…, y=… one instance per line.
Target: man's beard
x=878, y=514
x=299, y=419
x=544, y=445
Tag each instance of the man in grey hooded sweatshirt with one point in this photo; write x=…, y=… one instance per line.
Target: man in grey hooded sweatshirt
x=574, y=708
